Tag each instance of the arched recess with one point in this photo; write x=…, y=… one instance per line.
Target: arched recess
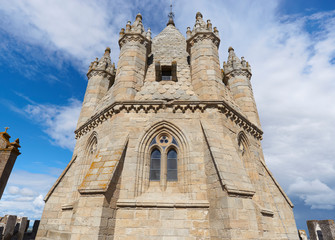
x=144, y=151
x=90, y=152
x=243, y=144
x=244, y=152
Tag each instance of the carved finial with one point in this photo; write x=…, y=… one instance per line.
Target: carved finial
x=198, y=15
x=216, y=31
x=122, y=32
x=149, y=34
x=128, y=26
x=188, y=32
x=107, y=50
x=138, y=17
x=209, y=25
x=230, y=49
x=6, y=128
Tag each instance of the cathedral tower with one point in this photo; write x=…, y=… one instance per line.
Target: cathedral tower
x=168, y=147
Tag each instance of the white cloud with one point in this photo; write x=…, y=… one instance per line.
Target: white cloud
x=24, y=193
x=314, y=193
x=59, y=122
x=38, y=202
x=13, y=190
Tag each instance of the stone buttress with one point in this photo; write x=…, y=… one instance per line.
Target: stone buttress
x=168, y=147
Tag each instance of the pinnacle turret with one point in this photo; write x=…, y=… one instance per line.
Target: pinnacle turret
x=201, y=26
x=135, y=28
x=234, y=63
x=104, y=64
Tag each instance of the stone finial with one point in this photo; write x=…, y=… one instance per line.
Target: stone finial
x=209, y=25
x=148, y=35
x=170, y=22
x=198, y=15
x=107, y=51
x=138, y=17
x=216, y=31
x=128, y=26
x=188, y=33
x=6, y=128
x=137, y=26
x=122, y=32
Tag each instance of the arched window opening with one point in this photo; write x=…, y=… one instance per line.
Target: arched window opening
x=163, y=158
x=172, y=166
x=155, y=165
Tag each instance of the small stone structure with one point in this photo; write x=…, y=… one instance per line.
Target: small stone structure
x=8, y=154
x=15, y=228
x=168, y=147
x=302, y=235
x=321, y=229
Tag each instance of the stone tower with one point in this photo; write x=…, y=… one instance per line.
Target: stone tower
x=168, y=147
x=8, y=154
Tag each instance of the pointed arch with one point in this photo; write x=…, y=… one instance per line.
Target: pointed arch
x=90, y=151
x=243, y=144
x=148, y=141
x=91, y=141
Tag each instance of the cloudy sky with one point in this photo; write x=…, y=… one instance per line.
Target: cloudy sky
x=46, y=47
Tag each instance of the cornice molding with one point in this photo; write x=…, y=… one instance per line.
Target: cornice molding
x=103, y=73
x=176, y=105
x=134, y=37
x=238, y=72
x=200, y=36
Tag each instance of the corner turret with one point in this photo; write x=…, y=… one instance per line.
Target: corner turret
x=202, y=45
x=101, y=75
x=237, y=74
x=135, y=45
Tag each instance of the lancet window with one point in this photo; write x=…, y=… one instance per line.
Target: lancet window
x=164, y=158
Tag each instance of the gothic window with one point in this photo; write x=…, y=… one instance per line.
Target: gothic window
x=164, y=158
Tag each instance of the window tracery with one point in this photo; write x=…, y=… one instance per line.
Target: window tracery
x=163, y=158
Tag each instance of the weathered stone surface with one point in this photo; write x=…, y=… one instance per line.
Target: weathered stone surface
x=8, y=154
x=321, y=229
x=208, y=180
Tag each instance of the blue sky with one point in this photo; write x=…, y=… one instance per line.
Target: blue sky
x=47, y=46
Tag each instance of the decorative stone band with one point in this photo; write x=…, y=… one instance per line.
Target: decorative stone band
x=155, y=106
x=134, y=37
x=110, y=76
x=200, y=36
x=238, y=72
x=162, y=204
